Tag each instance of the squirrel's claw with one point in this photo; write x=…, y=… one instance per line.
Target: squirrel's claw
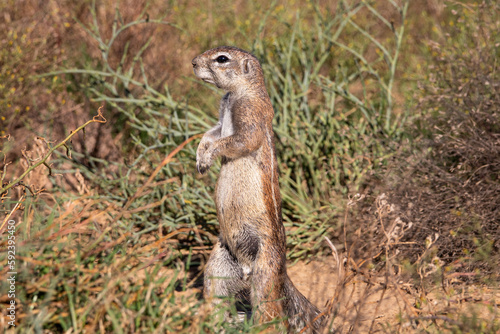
x=202, y=167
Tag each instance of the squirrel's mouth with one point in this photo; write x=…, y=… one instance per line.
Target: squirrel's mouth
x=208, y=80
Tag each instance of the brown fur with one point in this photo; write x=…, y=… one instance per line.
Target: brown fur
x=250, y=256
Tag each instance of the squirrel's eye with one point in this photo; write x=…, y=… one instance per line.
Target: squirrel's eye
x=222, y=59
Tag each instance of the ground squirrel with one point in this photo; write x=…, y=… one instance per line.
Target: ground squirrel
x=250, y=255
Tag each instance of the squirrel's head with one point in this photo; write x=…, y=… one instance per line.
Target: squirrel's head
x=228, y=68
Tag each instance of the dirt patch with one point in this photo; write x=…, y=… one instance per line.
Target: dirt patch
x=361, y=303
x=370, y=303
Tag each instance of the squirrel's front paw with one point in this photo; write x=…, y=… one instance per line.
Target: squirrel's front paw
x=204, y=161
x=203, y=157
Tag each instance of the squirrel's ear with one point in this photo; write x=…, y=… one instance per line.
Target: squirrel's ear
x=247, y=66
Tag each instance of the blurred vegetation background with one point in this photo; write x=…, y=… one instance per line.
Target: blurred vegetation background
x=393, y=102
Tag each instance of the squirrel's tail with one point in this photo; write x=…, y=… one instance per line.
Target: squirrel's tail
x=300, y=311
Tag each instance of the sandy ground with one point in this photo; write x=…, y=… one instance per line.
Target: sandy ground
x=359, y=304
x=365, y=305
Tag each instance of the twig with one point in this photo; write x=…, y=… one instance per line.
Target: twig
x=335, y=255
x=12, y=212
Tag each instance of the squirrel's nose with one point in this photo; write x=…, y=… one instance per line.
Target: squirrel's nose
x=194, y=62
